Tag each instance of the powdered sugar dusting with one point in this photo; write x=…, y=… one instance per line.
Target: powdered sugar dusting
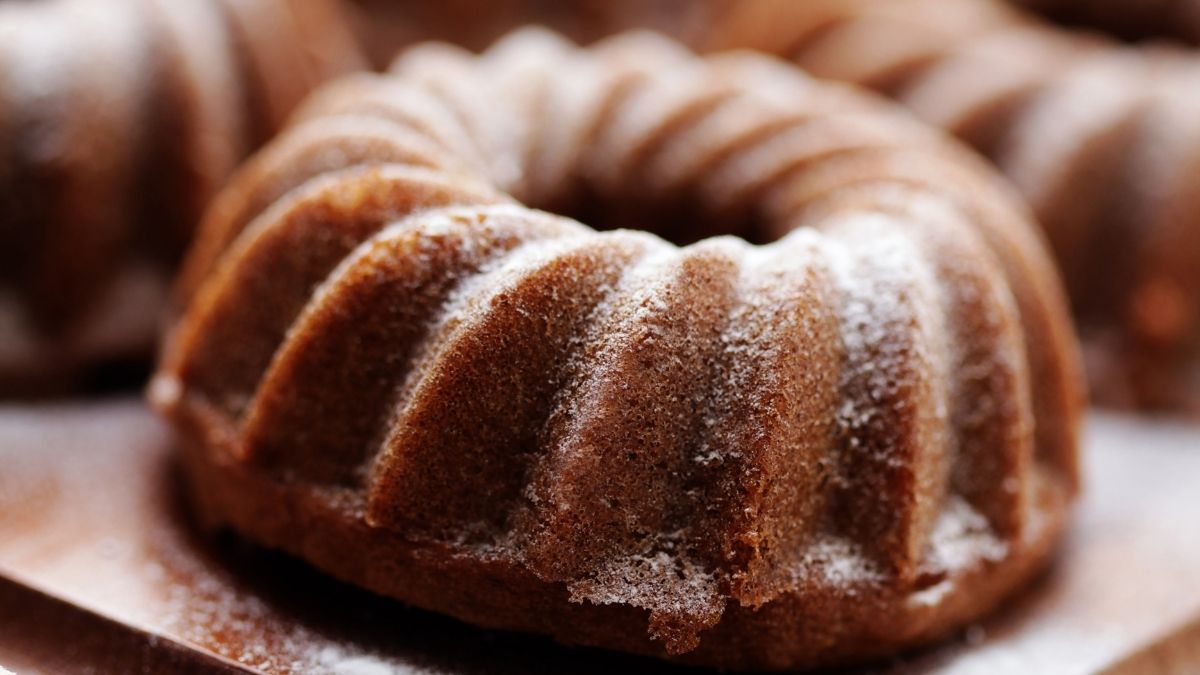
x=839, y=563
x=344, y=662
x=879, y=322
x=962, y=538
x=933, y=595
x=202, y=603
x=681, y=597
x=625, y=582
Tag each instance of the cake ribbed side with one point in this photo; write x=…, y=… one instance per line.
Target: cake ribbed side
x=892, y=441
x=1066, y=115
x=316, y=147
x=766, y=450
x=989, y=411
x=528, y=308
x=1013, y=248
x=612, y=501
x=365, y=328
x=261, y=286
x=370, y=95
x=976, y=92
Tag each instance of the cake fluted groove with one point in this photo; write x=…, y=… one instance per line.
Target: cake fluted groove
x=379, y=311
x=644, y=430
x=1012, y=249
x=513, y=307
x=318, y=147
x=375, y=95
x=330, y=215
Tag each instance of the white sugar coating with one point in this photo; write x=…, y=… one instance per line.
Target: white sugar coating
x=514, y=75
x=886, y=322
x=837, y=563
x=469, y=301
x=402, y=104
x=473, y=299
x=933, y=595
x=446, y=72
x=627, y=580
x=769, y=280
x=208, y=605
x=326, y=139
x=339, y=661
x=962, y=539
x=575, y=107
x=634, y=294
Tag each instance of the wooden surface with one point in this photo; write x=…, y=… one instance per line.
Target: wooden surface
x=100, y=571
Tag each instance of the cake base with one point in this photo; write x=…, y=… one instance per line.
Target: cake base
x=101, y=565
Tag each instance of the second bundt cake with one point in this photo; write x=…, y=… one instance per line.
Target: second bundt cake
x=846, y=429
x=119, y=120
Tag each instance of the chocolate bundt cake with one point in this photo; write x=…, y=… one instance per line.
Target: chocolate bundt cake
x=844, y=428
x=118, y=122
x=1102, y=139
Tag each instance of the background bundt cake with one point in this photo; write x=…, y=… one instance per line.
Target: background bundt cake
x=118, y=122
x=1102, y=139
x=847, y=429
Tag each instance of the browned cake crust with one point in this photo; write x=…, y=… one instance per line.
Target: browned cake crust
x=825, y=448
x=1102, y=139
x=118, y=121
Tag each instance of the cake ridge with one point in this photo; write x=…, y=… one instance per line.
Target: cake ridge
x=358, y=201
x=377, y=95
x=441, y=230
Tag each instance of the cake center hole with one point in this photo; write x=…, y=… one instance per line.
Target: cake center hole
x=681, y=218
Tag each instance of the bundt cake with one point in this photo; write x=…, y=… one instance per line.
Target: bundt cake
x=119, y=119
x=846, y=427
x=1102, y=139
